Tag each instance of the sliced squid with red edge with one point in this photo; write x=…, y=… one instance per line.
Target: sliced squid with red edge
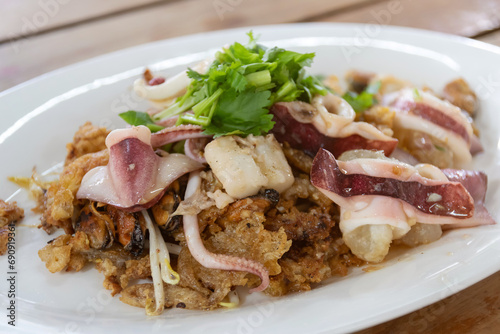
x=177, y=133
x=418, y=110
x=382, y=198
x=135, y=177
x=328, y=122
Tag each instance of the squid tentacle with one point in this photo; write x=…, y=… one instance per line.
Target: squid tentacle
x=209, y=259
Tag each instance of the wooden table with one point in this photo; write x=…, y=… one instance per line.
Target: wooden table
x=40, y=36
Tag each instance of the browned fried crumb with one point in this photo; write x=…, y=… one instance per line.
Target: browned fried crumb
x=297, y=158
x=88, y=139
x=60, y=197
x=148, y=76
x=66, y=252
x=381, y=117
x=72, y=253
x=119, y=268
x=459, y=93
x=212, y=284
x=10, y=214
x=318, y=251
x=175, y=296
x=113, y=272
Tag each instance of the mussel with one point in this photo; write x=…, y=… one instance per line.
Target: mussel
x=130, y=228
x=163, y=210
x=97, y=225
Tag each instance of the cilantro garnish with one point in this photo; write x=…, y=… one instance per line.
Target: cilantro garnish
x=365, y=100
x=140, y=118
x=416, y=95
x=234, y=96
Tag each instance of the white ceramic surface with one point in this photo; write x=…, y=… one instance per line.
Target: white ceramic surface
x=40, y=116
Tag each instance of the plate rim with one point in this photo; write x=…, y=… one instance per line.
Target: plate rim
x=387, y=28
x=390, y=29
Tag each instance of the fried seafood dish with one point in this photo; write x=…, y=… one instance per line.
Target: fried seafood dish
x=249, y=172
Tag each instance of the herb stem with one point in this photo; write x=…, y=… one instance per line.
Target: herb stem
x=176, y=109
x=260, y=78
x=200, y=108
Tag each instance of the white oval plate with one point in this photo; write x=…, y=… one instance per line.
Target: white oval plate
x=40, y=116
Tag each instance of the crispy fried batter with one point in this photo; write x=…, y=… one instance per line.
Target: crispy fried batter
x=112, y=274
x=35, y=186
x=10, y=213
x=119, y=270
x=318, y=252
x=297, y=158
x=88, y=150
x=313, y=225
x=88, y=139
x=66, y=252
x=60, y=197
x=381, y=117
x=311, y=263
x=4, y=239
x=213, y=284
x=244, y=234
x=136, y=269
x=303, y=189
x=459, y=93
x=175, y=296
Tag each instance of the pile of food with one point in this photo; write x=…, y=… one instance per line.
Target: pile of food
x=247, y=171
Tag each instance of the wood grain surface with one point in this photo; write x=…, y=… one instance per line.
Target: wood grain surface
x=492, y=38
x=460, y=17
x=40, y=36
x=35, y=17
x=74, y=43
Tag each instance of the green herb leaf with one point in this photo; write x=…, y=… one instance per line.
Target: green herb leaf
x=365, y=100
x=234, y=96
x=243, y=113
x=140, y=118
x=416, y=95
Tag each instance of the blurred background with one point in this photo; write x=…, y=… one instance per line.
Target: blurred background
x=37, y=36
